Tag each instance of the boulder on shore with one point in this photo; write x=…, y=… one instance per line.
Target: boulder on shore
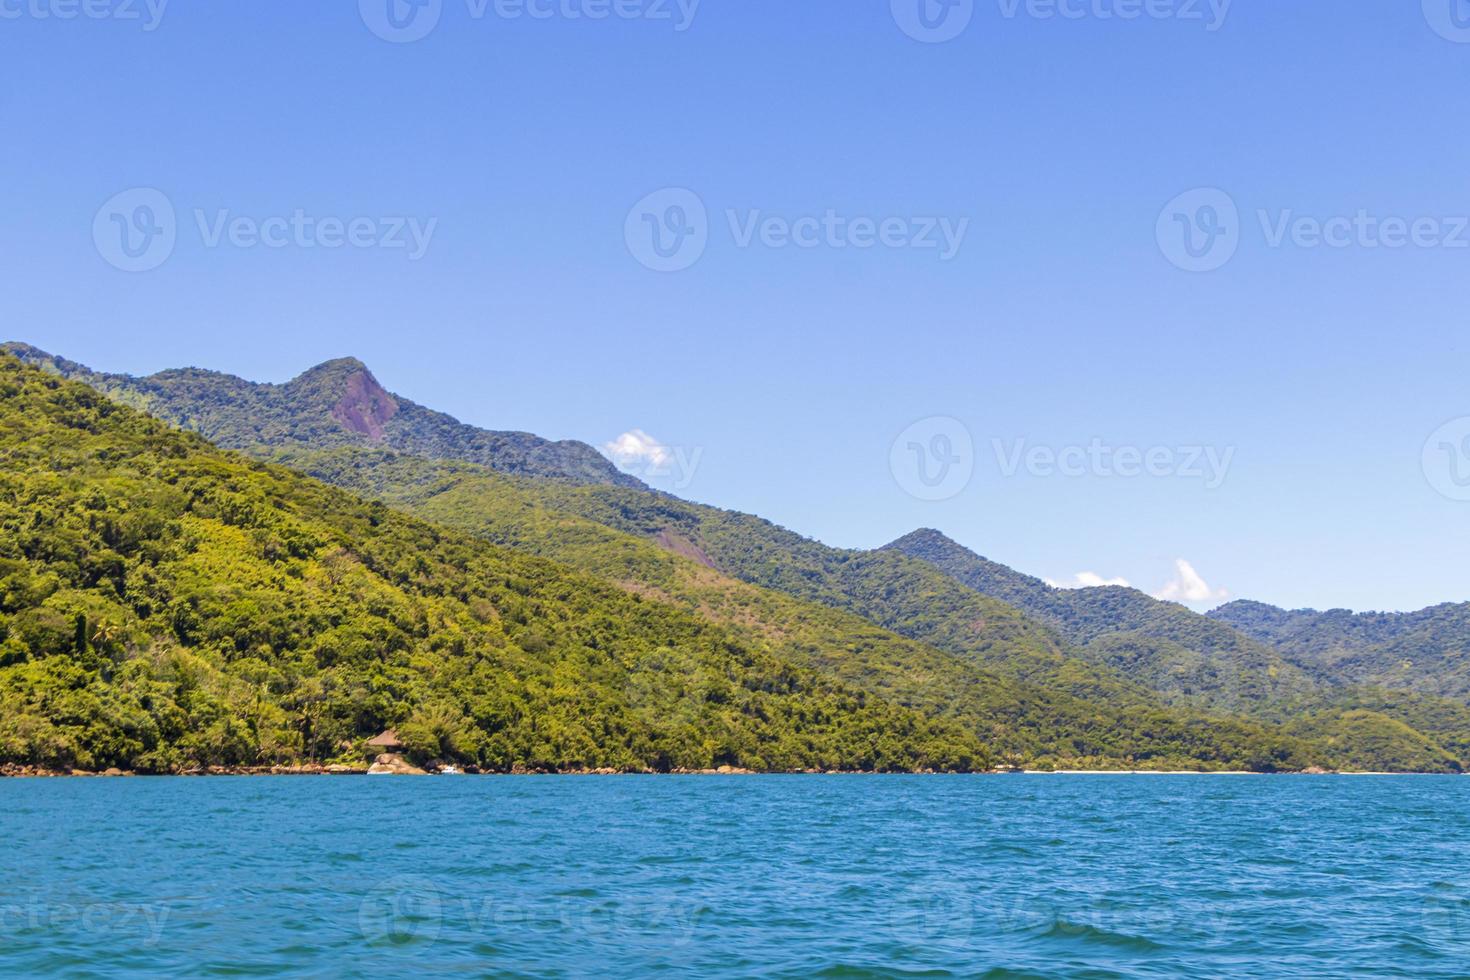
x=390, y=764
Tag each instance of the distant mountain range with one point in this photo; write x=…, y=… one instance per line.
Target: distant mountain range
x=1426, y=651
x=1185, y=656
x=1104, y=677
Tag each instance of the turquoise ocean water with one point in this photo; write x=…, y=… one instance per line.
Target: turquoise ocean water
x=836, y=876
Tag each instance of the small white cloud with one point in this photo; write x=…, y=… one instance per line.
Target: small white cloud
x=639, y=454
x=1088, y=580
x=637, y=450
x=1189, y=587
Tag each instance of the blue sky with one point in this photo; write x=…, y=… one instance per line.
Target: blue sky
x=1054, y=338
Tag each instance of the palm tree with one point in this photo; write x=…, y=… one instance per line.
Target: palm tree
x=105, y=633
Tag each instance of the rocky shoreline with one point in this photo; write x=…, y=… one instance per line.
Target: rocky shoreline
x=398, y=766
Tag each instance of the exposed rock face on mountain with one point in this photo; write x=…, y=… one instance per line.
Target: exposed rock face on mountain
x=365, y=407
x=167, y=606
x=338, y=403
x=1101, y=677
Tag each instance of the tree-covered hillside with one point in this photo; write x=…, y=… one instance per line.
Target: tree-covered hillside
x=164, y=605
x=1188, y=657
x=1115, y=682
x=1426, y=651
x=338, y=403
x=1074, y=718
x=1064, y=713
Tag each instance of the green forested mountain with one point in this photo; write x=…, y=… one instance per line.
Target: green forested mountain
x=1204, y=661
x=1113, y=682
x=1066, y=715
x=1426, y=651
x=338, y=403
x=165, y=604
x=1186, y=656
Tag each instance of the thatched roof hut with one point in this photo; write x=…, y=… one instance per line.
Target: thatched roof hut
x=386, y=742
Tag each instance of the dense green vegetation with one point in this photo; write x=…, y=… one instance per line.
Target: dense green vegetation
x=164, y=604
x=1367, y=741
x=1195, y=659
x=1095, y=721
x=1189, y=658
x=338, y=403
x=1069, y=714
x=1426, y=651
x=1098, y=677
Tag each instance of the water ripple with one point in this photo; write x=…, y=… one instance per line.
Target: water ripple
x=1072, y=877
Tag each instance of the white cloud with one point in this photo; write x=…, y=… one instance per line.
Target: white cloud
x=1088, y=580
x=637, y=450
x=1189, y=587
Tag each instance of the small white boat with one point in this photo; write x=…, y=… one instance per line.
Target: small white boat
x=451, y=771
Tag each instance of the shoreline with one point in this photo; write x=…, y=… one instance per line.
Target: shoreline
x=26, y=772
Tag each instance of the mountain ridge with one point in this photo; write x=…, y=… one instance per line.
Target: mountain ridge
x=886, y=589
x=337, y=402
x=1184, y=655
x=166, y=605
x=1425, y=650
